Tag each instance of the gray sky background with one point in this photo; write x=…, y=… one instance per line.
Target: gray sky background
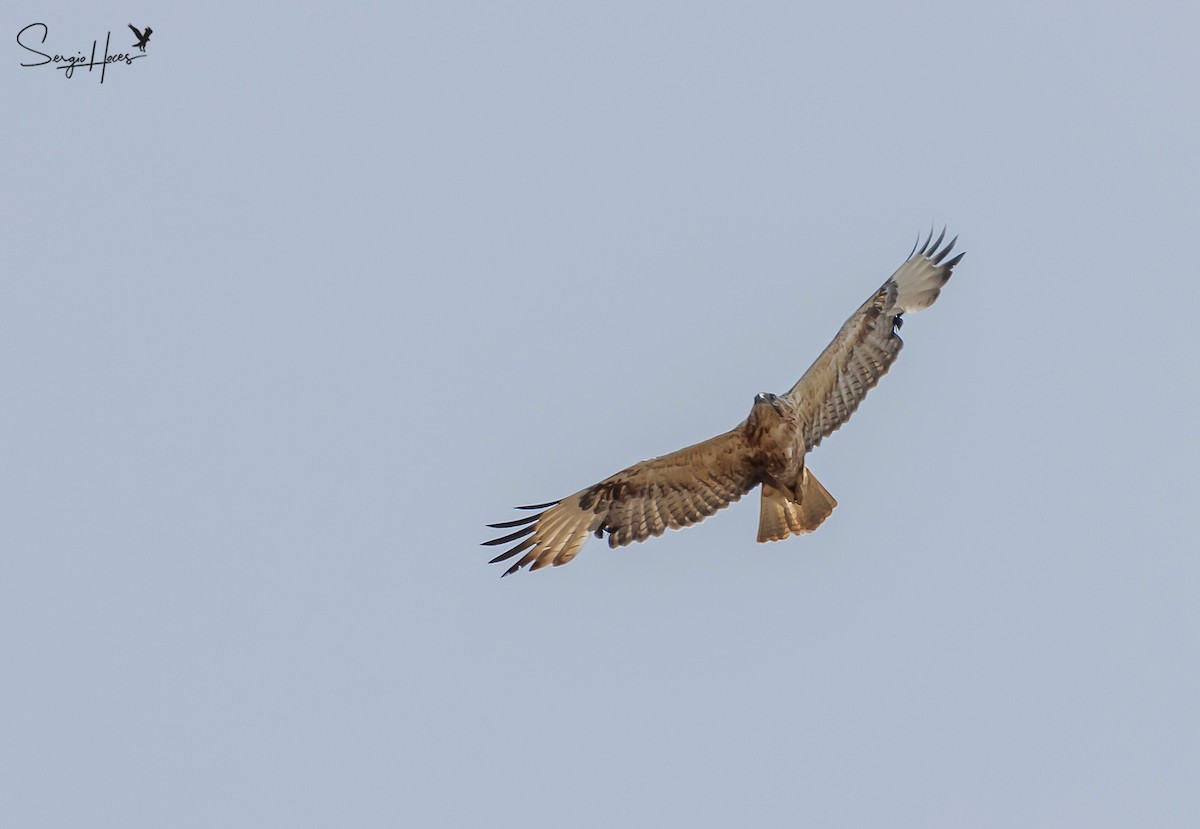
x=291, y=308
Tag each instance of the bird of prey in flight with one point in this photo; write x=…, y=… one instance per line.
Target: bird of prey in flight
x=767, y=448
x=143, y=37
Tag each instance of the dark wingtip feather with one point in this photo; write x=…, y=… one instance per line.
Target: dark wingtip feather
x=509, y=553
x=504, y=525
x=528, y=526
x=925, y=246
x=938, y=243
x=944, y=252
x=521, y=533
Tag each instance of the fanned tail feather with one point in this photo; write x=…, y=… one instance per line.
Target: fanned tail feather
x=779, y=517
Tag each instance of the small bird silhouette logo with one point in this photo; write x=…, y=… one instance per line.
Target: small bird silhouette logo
x=143, y=37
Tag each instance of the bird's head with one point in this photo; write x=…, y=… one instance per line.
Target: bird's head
x=766, y=405
x=767, y=399
x=766, y=415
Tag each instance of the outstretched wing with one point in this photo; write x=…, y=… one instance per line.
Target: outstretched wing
x=135, y=31
x=675, y=491
x=865, y=348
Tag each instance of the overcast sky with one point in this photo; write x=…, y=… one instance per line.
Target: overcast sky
x=295, y=304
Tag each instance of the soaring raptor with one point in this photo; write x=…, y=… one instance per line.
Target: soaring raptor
x=142, y=37
x=768, y=447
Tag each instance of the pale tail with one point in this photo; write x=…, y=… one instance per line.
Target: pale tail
x=778, y=517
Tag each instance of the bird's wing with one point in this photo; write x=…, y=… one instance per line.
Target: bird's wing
x=867, y=345
x=135, y=31
x=676, y=490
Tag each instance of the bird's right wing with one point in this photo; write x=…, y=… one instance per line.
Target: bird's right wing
x=675, y=490
x=868, y=343
x=135, y=32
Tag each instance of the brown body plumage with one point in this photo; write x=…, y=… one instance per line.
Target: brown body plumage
x=768, y=448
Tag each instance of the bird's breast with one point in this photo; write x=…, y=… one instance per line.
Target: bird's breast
x=773, y=442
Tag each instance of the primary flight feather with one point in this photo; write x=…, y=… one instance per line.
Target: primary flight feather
x=768, y=447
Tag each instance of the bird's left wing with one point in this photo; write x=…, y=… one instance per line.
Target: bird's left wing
x=675, y=490
x=868, y=343
x=135, y=31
